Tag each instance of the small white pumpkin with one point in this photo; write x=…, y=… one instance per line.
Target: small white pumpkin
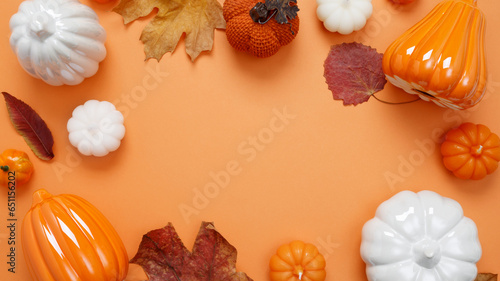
x=420, y=236
x=58, y=41
x=96, y=128
x=344, y=16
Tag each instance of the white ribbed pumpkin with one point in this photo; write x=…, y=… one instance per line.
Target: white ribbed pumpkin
x=420, y=237
x=96, y=128
x=58, y=41
x=344, y=16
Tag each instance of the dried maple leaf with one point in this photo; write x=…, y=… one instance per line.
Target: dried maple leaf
x=284, y=9
x=164, y=257
x=196, y=18
x=486, y=277
x=354, y=72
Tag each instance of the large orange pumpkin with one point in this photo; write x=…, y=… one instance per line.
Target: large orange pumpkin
x=441, y=58
x=471, y=151
x=297, y=261
x=259, y=39
x=65, y=238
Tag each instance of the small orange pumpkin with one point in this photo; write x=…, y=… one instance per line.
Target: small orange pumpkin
x=15, y=164
x=441, y=58
x=259, y=39
x=471, y=151
x=65, y=238
x=297, y=261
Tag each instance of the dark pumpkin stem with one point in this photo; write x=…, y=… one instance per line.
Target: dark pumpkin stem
x=4, y=168
x=395, y=103
x=260, y=13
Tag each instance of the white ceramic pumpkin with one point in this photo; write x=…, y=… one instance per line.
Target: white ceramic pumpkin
x=344, y=16
x=96, y=128
x=58, y=41
x=420, y=237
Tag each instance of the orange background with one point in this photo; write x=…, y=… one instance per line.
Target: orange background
x=319, y=177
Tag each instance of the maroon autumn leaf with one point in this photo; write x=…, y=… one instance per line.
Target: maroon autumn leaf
x=486, y=277
x=165, y=258
x=31, y=126
x=354, y=72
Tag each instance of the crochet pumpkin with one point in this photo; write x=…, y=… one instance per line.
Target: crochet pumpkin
x=260, y=36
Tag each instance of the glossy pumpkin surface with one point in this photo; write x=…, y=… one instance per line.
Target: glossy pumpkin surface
x=16, y=165
x=260, y=40
x=471, y=151
x=65, y=238
x=58, y=41
x=441, y=58
x=297, y=261
x=420, y=237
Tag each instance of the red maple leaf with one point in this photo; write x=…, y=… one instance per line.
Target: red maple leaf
x=354, y=72
x=164, y=257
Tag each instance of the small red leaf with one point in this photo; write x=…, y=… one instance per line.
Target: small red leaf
x=354, y=72
x=164, y=257
x=31, y=126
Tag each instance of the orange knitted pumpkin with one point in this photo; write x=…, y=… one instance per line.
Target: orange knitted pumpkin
x=261, y=38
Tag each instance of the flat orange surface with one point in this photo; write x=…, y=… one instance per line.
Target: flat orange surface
x=317, y=174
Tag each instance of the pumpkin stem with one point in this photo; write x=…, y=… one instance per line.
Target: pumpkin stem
x=260, y=14
x=476, y=150
x=394, y=103
x=4, y=168
x=298, y=271
x=39, y=196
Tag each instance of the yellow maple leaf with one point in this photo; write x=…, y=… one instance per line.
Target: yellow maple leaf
x=196, y=18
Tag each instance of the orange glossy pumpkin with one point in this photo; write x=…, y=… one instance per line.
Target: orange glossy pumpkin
x=471, y=151
x=441, y=58
x=297, y=261
x=65, y=238
x=15, y=164
x=246, y=35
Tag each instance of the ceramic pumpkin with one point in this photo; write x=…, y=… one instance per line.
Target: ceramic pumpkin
x=471, y=151
x=65, y=238
x=441, y=58
x=96, y=128
x=344, y=16
x=259, y=38
x=420, y=236
x=297, y=261
x=15, y=164
x=58, y=41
